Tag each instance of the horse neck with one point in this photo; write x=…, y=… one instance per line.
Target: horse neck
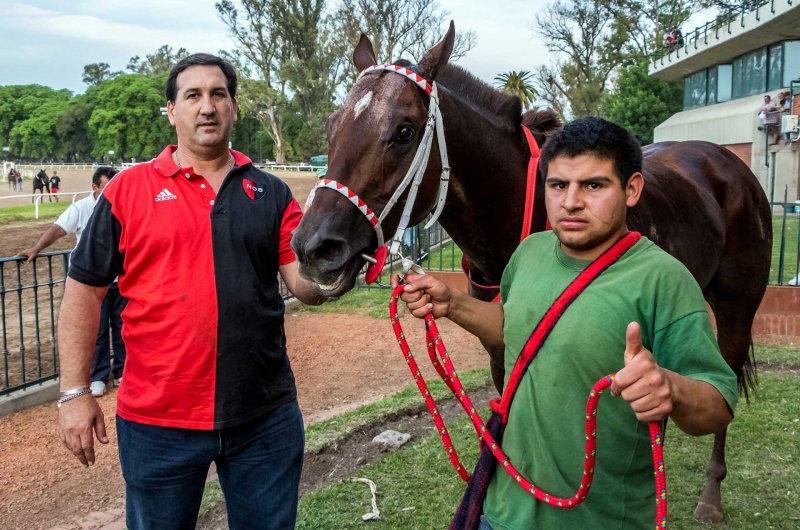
x=485, y=206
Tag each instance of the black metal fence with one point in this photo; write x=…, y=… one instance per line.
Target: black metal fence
x=29, y=296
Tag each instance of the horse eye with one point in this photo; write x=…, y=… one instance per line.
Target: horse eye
x=405, y=133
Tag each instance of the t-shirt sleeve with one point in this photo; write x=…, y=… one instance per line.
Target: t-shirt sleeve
x=69, y=221
x=292, y=215
x=97, y=259
x=687, y=345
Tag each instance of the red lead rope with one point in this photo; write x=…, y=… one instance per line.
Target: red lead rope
x=449, y=376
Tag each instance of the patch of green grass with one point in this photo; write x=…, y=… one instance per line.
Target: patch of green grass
x=445, y=258
x=790, y=248
x=212, y=496
x=325, y=432
x=778, y=354
x=372, y=302
x=760, y=491
x=16, y=214
x=418, y=479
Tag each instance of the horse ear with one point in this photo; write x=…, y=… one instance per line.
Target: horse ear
x=437, y=57
x=363, y=56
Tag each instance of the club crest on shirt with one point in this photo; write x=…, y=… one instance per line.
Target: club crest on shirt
x=253, y=190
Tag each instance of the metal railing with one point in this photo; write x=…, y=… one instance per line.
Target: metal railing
x=712, y=29
x=433, y=249
x=29, y=294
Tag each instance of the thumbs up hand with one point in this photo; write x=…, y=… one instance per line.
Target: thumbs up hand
x=642, y=383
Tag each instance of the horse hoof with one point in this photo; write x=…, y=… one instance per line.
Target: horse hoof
x=708, y=514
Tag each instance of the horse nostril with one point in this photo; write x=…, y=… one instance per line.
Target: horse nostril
x=333, y=251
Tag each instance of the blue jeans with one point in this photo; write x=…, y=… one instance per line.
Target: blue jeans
x=484, y=524
x=258, y=462
x=110, y=322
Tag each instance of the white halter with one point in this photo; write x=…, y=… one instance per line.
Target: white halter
x=416, y=171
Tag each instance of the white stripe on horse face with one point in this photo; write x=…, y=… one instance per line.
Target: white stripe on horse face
x=362, y=104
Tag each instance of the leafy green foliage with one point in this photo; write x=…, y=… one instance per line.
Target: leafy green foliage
x=759, y=491
x=96, y=73
x=158, y=63
x=641, y=102
x=72, y=130
x=126, y=118
x=518, y=84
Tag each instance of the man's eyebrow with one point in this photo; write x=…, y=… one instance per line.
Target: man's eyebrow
x=599, y=179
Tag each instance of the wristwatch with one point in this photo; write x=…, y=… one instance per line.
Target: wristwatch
x=68, y=395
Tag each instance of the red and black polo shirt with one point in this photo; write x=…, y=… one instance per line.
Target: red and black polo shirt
x=203, y=327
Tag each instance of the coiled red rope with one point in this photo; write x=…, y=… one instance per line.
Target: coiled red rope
x=444, y=367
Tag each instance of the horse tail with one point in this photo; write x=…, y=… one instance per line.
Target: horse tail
x=749, y=380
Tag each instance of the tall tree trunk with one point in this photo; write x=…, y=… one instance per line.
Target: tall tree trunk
x=276, y=125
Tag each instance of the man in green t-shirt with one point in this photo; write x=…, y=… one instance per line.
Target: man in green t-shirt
x=643, y=318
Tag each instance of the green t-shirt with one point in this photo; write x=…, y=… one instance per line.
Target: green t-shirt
x=544, y=438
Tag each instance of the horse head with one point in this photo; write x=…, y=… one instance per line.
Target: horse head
x=372, y=141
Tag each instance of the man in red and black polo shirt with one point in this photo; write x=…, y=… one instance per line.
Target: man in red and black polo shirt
x=197, y=238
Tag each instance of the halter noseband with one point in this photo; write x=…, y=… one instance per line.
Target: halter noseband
x=411, y=181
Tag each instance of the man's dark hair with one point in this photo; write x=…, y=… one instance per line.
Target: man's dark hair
x=597, y=137
x=103, y=171
x=200, y=59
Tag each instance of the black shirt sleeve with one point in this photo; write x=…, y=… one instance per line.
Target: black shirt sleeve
x=96, y=261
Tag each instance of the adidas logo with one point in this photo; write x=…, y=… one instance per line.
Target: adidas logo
x=165, y=195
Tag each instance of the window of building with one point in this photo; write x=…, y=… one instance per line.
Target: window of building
x=711, y=93
x=736, y=81
x=761, y=71
x=775, y=71
x=724, y=82
x=695, y=89
x=791, y=62
x=754, y=73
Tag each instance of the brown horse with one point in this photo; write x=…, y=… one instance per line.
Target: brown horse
x=700, y=202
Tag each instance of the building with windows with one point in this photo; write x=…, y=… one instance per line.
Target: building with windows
x=727, y=67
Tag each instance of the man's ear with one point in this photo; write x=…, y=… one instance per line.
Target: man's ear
x=633, y=191
x=170, y=112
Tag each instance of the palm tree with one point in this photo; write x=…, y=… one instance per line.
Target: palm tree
x=518, y=84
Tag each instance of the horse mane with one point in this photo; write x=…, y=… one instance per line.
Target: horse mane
x=501, y=108
x=493, y=104
x=542, y=123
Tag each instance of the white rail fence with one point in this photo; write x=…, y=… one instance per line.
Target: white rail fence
x=37, y=198
x=28, y=171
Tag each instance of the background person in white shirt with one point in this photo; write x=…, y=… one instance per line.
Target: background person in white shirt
x=73, y=221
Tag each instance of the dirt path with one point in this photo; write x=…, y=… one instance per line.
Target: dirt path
x=338, y=361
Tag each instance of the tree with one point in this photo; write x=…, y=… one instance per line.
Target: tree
x=36, y=136
x=645, y=22
x=260, y=45
x=641, y=102
x=96, y=73
x=18, y=103
x=126, y=117
x=518, y=84
x=72, y=130
x=159, y=62
x=588, y=46
x=289, y=47
x=398, y=29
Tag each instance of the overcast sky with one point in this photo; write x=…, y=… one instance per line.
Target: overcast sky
x=49, y=41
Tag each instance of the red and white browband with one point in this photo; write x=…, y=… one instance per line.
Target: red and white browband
x=411, y=181
x=413, y=76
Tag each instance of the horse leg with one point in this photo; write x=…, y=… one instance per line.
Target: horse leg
x=709, y=508
x=734, y=317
